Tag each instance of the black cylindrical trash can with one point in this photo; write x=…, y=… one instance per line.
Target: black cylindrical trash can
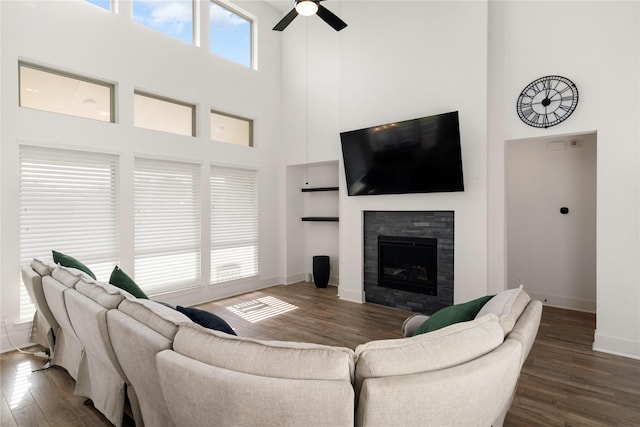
x=321, y=270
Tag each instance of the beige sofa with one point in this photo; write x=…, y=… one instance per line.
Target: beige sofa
x=176, y=373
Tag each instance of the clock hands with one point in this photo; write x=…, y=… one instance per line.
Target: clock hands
x=548, y=87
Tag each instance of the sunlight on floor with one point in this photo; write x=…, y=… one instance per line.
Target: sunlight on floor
x=21, y=384
x=262, y=308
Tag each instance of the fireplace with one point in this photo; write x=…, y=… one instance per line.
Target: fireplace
x=408, y=264
x=433, y=228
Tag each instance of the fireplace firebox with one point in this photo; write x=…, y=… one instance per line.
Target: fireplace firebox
x=408, y=264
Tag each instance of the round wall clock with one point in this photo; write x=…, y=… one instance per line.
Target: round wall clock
x=547, y=101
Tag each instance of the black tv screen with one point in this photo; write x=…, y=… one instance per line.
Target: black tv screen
x=413, y=156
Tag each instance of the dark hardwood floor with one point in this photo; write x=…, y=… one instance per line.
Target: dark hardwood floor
x=563, y=382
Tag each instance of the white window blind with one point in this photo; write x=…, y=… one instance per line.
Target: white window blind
x=234, y=224
x=167, y=225
x=68, y=203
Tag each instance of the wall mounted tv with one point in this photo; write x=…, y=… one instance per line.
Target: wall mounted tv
x=413, y=156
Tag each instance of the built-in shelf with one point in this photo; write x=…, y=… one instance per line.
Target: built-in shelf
x=321, y=218
x=306, y=190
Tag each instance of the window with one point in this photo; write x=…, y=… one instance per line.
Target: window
x=171, y=17
x=105, y=4
x=69, y=203
x=64, y=93
x=167, y=225
x=231, y=129
x=234, y=224
x=230, y=34
x=157, y=113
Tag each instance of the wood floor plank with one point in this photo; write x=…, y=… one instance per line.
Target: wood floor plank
x=55, y=406
x=30, y=416
x=16, y=384
x=563, y=382
x=6, y=416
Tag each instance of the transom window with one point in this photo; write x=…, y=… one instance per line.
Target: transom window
x=171, y=17
x=163, y=114
x=64, y=93
x=230, y=33
x=105, y=4
x=231, y=30
x=231, y=129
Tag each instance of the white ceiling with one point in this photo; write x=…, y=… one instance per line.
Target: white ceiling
x=286, y=5
x=282, y=5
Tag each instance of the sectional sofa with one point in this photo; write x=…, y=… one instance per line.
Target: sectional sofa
x=177, y=373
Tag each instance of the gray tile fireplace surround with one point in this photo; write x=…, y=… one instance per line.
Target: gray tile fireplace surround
x=433, y=224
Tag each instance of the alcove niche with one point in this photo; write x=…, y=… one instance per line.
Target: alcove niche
x=312, y=219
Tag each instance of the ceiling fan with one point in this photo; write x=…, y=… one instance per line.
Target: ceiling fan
x=308, y=8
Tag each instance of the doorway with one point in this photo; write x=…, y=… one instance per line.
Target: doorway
x=551, y=219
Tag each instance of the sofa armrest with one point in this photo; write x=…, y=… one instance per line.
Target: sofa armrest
x=412, y=323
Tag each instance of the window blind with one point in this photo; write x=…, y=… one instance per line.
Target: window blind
x=234, y=224
x=167, y=225
x=68, y=203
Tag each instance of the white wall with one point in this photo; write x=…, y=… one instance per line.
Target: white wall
x=404, y=59
x=553, y=254
x=436, y=64
x=395, y=61
x=603, y=59
x=84, y=39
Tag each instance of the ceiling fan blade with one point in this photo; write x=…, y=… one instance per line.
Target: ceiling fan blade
x=330, y=18
x=284, y=22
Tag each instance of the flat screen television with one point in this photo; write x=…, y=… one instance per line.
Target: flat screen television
x=413, y=156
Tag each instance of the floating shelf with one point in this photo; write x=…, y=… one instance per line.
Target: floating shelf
x=321, y=218
x=308, y=190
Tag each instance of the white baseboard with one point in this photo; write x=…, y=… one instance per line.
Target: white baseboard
x=353, y=296
x=617, y=346
x=20, y=336
x=564, y=302
x=295, y=278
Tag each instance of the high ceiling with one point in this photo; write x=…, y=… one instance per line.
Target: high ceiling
x=282, y=5
x=287, y=5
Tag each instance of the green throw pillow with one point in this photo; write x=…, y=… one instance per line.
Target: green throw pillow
x=452, y=314
x=120, y=279
x=71, y=262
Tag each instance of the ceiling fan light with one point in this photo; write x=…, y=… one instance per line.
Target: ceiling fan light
x=306, y=7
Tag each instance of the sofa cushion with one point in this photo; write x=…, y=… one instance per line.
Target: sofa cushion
x=276, y=359
x=122, y=280
x=69, y=261
x=206, y=319
x=446, y=347
x=68, y=276
x=108, y=296
x=161, y=319
x=199, y=394
x=41, y=267
x=452, y=314
x=508, y=306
